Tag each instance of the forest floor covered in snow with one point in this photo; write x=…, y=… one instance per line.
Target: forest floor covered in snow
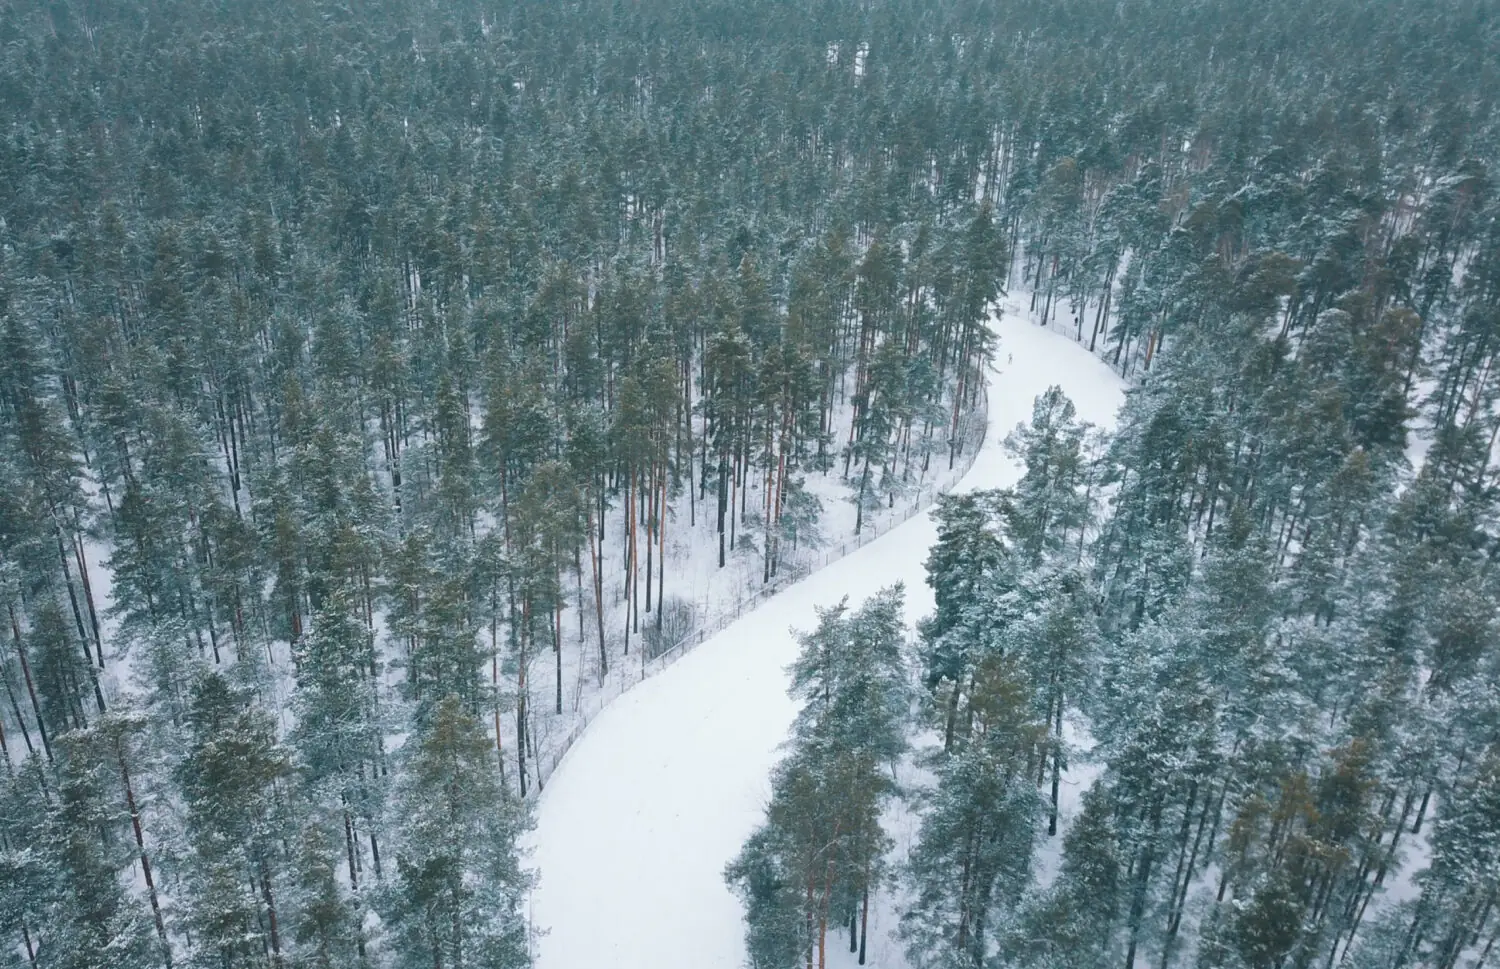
x=639, y=820
x=704, y=597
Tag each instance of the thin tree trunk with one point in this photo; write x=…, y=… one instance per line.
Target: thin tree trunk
x=140, y=844
x=808, y=918
x=36, y=707
x=521, y=700
x=1416, y=827
x=62, y=558
x=653, y=525
x=952, y=719
x=734, y=486
x=823, y=908
x=598, y=582
x=864, y=921
x=495, y=680
x=631, y=592
x=1057, y=745
x=275, y=931
x=349, y=851
x=15, y=709
x=88, y=596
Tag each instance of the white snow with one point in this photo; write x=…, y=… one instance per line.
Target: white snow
x=636, y=825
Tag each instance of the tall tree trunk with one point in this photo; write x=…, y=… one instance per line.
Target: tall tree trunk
x=495, y=679
x=557, y=611
x=1057, y=747
x=36, y=707
x=864, y=919
x=723, y=502
x=83, y=634
x=88, y=596
x=808, y=916
x=270, y=900
x=15, y=709
x=520, y=637
x=661, y=550
x=598, y=583
x=140, y=844
x=653, y=524
x=630, y=553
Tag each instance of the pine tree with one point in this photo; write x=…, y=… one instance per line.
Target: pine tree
x=972, y=860
x=236, y=822
x=1050, y=503
x=323, y=924
x=820, y=852
x=776, y=933
x=29, y=878
x=457, y=893
x=93, y=919
x=1072, y=923
x=969, y=556
x=338, y=735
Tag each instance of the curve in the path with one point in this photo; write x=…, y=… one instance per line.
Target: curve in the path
x=635, y=828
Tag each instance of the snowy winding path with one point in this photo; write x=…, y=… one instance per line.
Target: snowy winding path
x=636, y=825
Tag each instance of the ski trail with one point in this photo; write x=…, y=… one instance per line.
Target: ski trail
x=637, y=823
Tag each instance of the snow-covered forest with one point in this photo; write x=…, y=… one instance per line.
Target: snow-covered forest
x=384, y=387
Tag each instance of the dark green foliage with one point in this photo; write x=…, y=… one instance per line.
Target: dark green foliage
x=363, y=343
x=821, y=849
x=1051, y=501
x=1073, y=922
x=776, y=933
x=456, y=898
x=972, y=861
x=229, y=780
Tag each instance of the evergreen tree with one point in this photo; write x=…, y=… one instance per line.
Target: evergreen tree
x=819, y=854
x=972, y=861
x=229, y=781
x=321, y=401
x=1050, y=503
x=456, y=898
x=93, y=919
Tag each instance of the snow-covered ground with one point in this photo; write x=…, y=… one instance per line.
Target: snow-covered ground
x=716, y=596
x=635, y=828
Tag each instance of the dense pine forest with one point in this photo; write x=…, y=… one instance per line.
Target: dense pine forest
x=1257, y=623
x=378, y=380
